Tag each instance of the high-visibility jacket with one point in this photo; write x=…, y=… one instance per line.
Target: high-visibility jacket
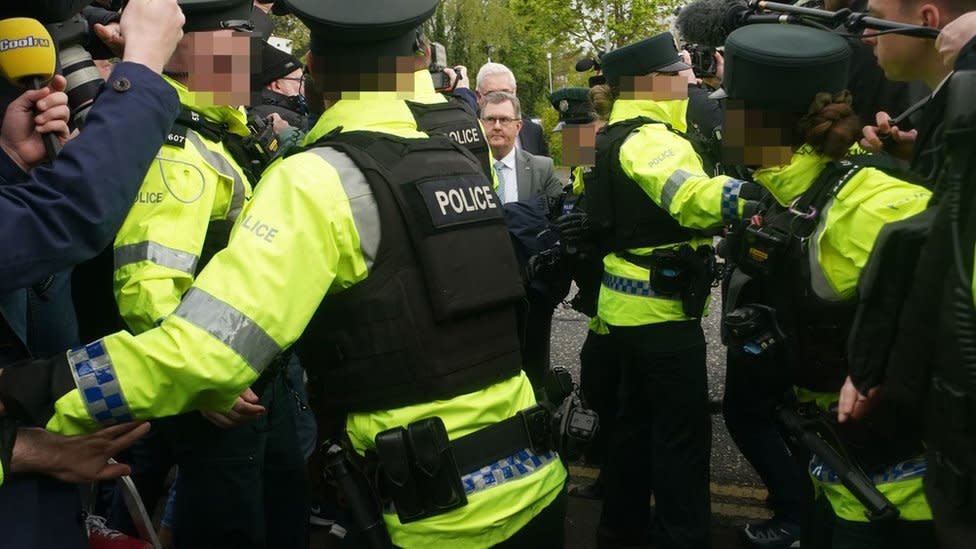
x=670, y=172
x=303, y=237
x=192, y=183
x=837, y=251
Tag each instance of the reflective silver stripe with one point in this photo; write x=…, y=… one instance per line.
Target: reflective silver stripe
x=91, y=367
x=156, y=253
x=671, y=187
x=514, y=467
x=365, y=213
x=232, y=327
x=818, y=280
x=222, y=165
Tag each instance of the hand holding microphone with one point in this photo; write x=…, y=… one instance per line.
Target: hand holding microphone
x=35, y=124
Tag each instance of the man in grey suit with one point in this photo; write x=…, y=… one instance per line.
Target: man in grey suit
x=521, y=176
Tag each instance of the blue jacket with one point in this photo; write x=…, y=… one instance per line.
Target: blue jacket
x=60, y=215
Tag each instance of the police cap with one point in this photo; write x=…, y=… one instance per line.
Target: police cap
x=783, y=67
x=654, y=54
x=208, y=15
x=573, y=105
x=388, y=27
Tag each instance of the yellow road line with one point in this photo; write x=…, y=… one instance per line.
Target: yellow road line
x=727, y=490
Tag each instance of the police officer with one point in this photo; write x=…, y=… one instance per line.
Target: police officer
x=189, y=200
x=650, y=202
x=599, y=360
x=804, y=256
x=404, y=289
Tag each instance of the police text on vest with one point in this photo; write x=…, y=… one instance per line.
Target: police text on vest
x=466, y=200
x=260, y=229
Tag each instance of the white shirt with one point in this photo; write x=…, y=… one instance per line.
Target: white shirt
x=508, y=177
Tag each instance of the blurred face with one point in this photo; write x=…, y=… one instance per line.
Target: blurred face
x=217, y=66
x=494, y=83
x=901, y=57
x=579, y=143
x=502, y=127
x=654, y=87
x=756, y=138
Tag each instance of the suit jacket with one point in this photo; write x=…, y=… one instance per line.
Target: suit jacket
x=531, y=138
x=536, y=176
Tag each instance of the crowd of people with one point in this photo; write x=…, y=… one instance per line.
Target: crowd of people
x=329, y=285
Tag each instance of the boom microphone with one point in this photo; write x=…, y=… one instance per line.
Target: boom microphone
x=709, y=22
x=27, y=58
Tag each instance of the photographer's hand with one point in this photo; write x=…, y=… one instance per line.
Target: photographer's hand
x=111, y=35
x=34, y=113
x=151, y=29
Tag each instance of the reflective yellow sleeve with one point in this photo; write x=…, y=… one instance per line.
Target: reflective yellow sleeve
x=158, y=247
x=869, y=201
x=670, y=172
x=294, y=242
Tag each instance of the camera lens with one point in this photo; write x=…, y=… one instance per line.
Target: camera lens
x=84, y=81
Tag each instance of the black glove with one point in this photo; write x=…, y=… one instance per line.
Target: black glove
x=752, y=191
x=541, y=264
x=573, y=230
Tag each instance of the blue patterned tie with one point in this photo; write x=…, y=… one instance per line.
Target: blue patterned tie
x=500, y=171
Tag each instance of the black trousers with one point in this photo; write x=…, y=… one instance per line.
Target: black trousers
x=600, y=369
x=535, y=330
x=955, y=527
x=754, y=387
x=663, y=421
x=829, y=532
x=245, y=487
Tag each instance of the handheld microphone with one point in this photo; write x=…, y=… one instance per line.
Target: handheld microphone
x=28, y=58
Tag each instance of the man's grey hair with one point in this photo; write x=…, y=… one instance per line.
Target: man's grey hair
x=499, y=97
x=492, y=69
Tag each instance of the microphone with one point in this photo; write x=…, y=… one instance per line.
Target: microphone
x=585, y=64
x=709, y=22
x=28, y=58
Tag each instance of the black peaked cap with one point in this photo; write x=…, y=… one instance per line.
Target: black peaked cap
x=783, y=67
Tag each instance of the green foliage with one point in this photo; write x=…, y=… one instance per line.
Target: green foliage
x=519, y=33
x=292, y=28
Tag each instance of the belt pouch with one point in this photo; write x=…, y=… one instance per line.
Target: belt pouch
x=435, y=468
x=397, y=476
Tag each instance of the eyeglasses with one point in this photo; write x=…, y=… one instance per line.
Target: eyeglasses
x=503, y=120
x=294, y=78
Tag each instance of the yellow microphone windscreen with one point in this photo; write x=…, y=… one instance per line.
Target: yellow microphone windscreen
x=26, y=50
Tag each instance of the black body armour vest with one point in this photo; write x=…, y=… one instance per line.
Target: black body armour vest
x=435, y=318
x=774, y=254
x=817, y=331
x=457, y=122
x=619, y=209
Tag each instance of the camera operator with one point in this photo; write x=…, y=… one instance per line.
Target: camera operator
x=54, y=217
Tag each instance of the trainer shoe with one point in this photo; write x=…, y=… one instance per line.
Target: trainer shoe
x=772, y=534
x=101, y=536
